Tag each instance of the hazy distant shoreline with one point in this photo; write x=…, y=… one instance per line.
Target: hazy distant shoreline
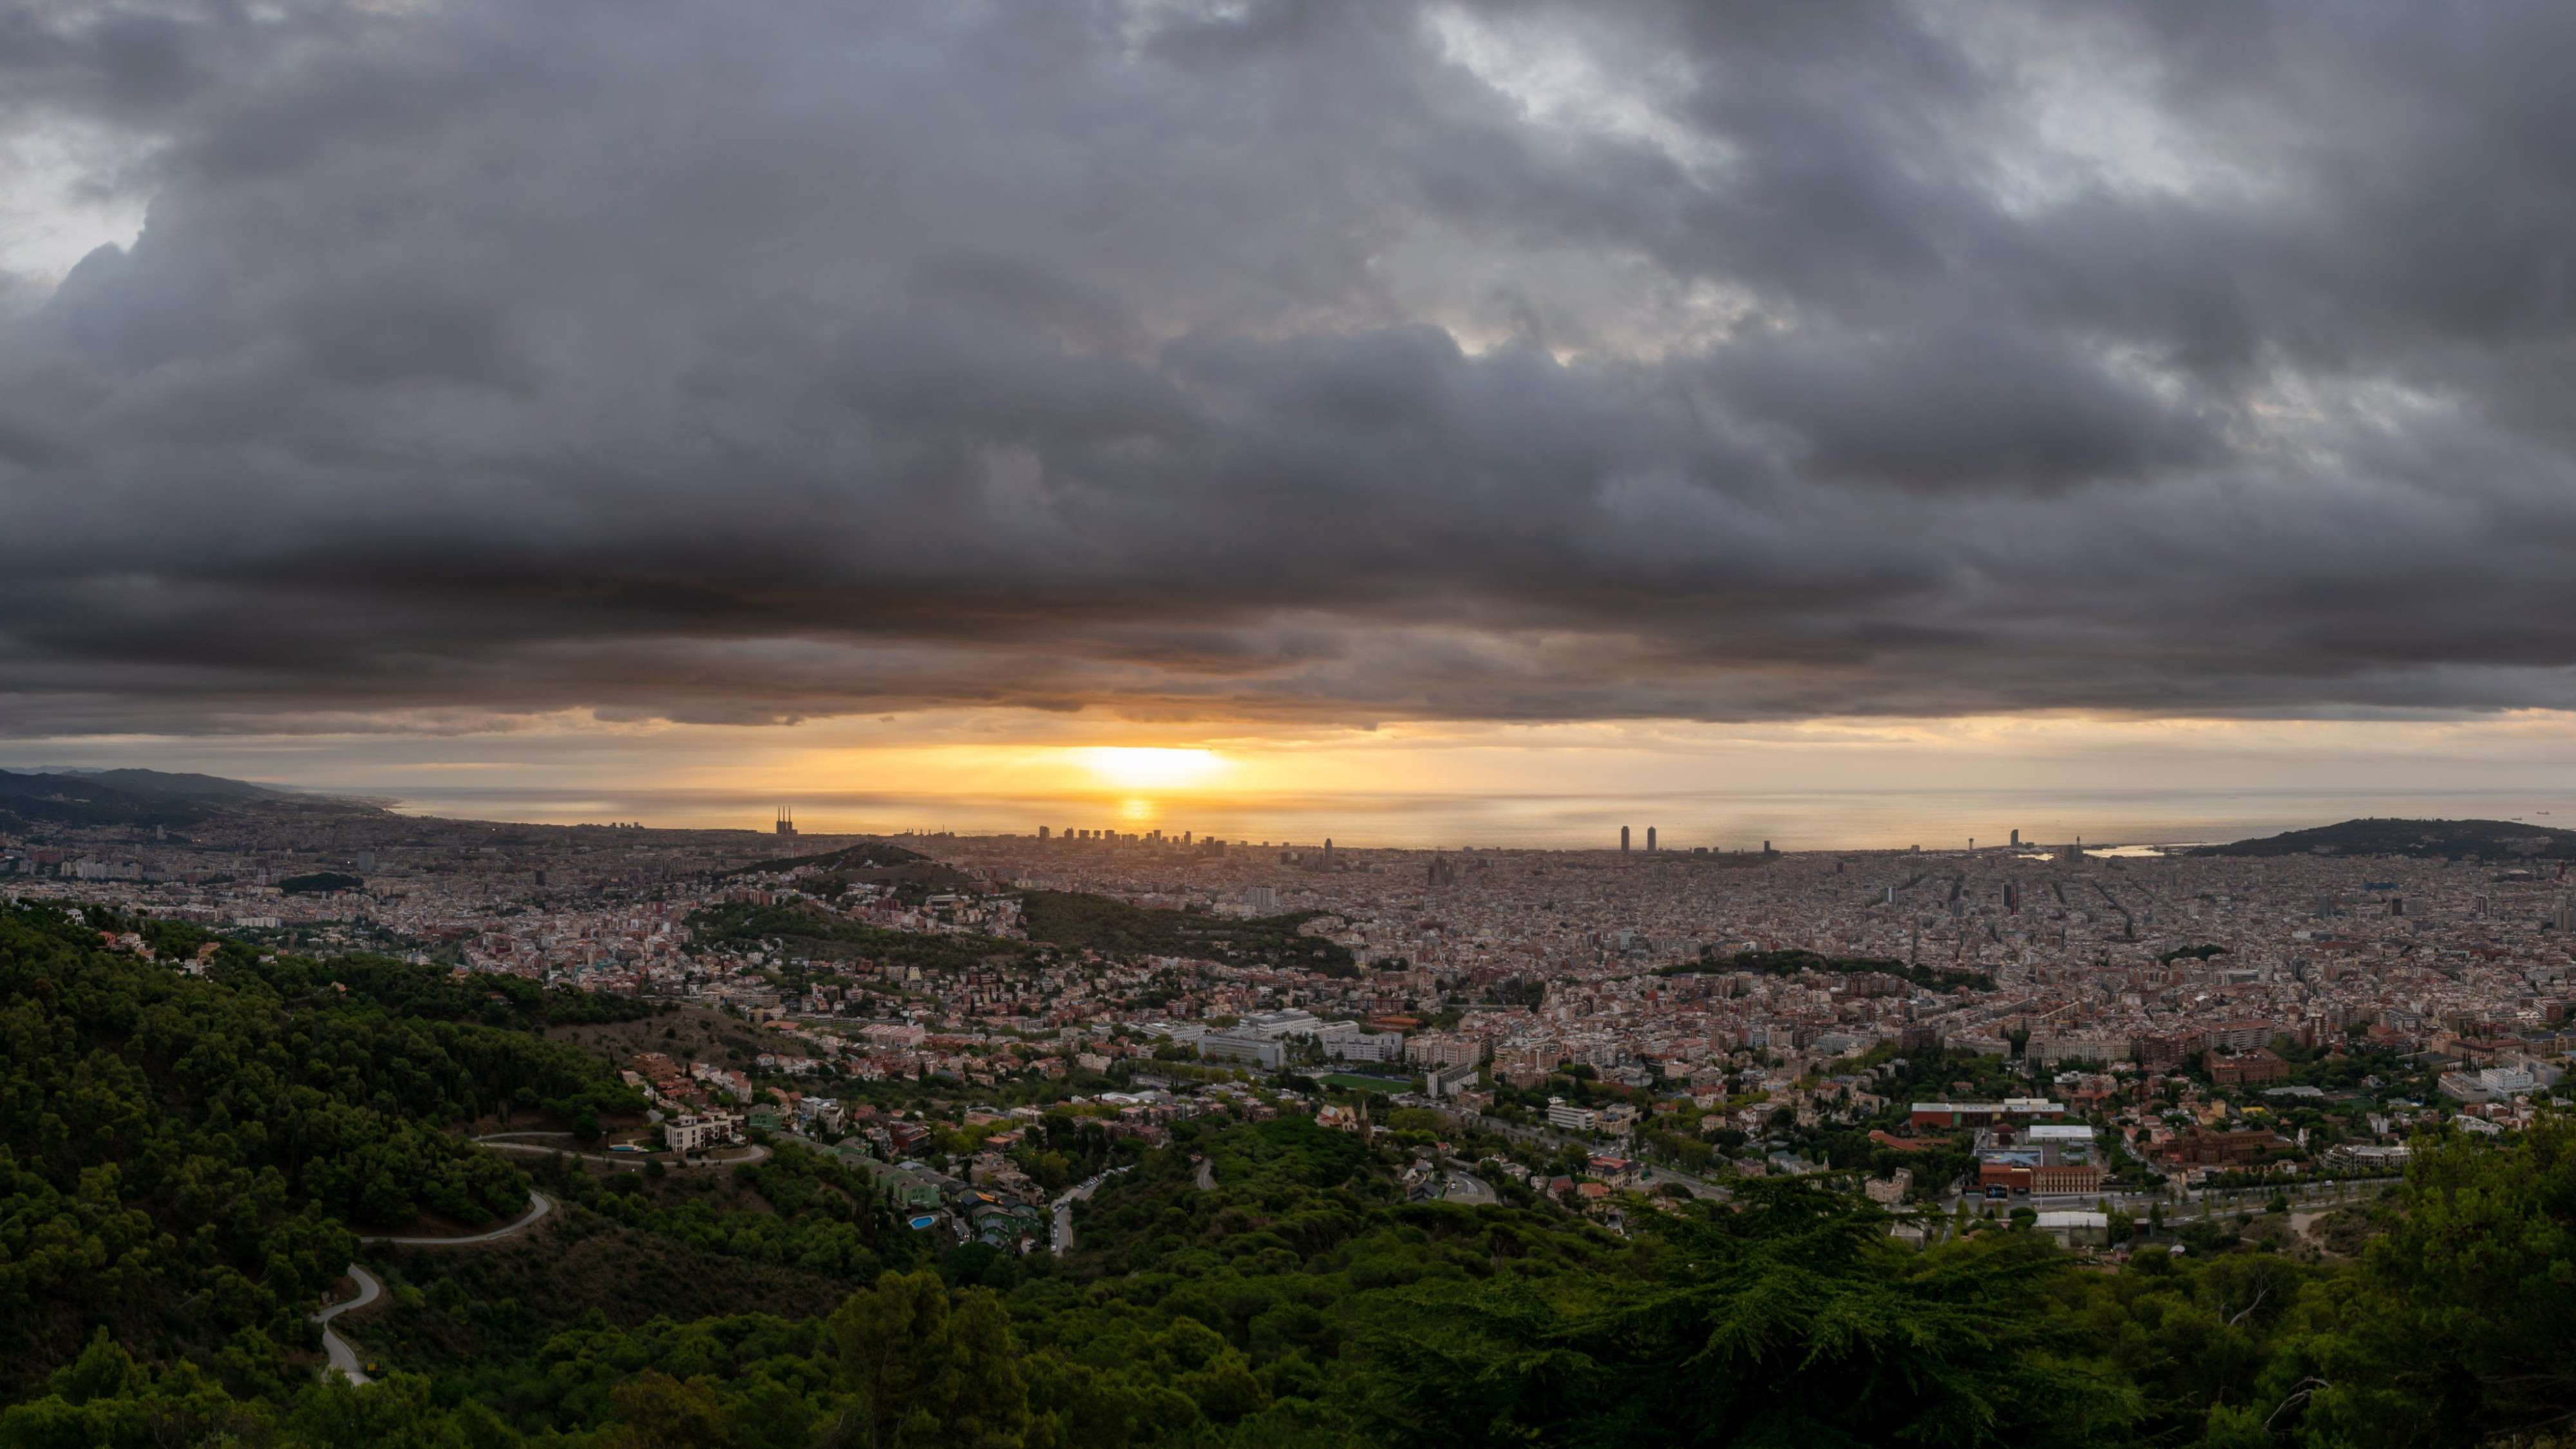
x=1809, y=820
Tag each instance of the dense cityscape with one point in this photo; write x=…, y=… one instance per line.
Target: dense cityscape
x=2142, y=1017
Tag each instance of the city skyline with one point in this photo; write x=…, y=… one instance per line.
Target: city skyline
x=1845, y=786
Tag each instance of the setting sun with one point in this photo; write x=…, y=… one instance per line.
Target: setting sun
x=1151, y=769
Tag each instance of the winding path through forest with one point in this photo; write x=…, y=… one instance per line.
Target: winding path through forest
x=538, y=1206
x=344, y=1359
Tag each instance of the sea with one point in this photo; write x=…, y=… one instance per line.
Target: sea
x=1875, y=819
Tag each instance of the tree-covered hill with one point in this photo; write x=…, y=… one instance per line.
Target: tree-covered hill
x=184, y=1158
x=179, y=785
x=2434, y=839
x=183, y=1154
x=1071, y=920
x=867, y=855
x=1080, y=920
x=147, y=797
x=817, y=934
x=79, y=800
x=1791, y=961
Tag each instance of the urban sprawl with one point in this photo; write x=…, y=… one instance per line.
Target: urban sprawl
x=2015, y=1027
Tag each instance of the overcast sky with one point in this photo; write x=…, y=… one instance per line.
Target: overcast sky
x=424, y=365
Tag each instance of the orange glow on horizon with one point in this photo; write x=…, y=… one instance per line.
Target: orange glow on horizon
x=1141, y=768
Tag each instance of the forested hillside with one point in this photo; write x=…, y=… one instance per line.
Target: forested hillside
x=1082, y=920
x=183, y=1153
x=2437, y=839
x=816, y=934
x=186, y=1157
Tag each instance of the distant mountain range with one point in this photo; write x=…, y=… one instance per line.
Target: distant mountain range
x=2423, y=839
x=127, y=797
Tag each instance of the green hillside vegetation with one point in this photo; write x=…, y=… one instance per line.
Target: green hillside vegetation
x=399, y=988
x=1066, y=919
x=817, y=934
x=78, y=800
x=185, y=1158
x=866, y=855
x=147, y=797
x=182, y=1154
x=1791, y=962
x=1087, y=922
x=796, y=1234
x=179, y=785
x=2503, y=840
x=320, y=883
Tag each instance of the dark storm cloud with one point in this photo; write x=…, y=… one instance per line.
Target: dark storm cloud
x=1354, y=361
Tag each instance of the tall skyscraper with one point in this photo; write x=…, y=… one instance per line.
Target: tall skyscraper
x=1650, y=837
x=1623, y=838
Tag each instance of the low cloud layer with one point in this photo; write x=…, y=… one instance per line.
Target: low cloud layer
x=1345, y=362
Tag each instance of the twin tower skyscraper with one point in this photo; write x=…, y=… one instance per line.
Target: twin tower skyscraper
x=1651, y=846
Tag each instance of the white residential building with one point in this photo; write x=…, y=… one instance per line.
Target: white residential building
x=1565, y=1115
